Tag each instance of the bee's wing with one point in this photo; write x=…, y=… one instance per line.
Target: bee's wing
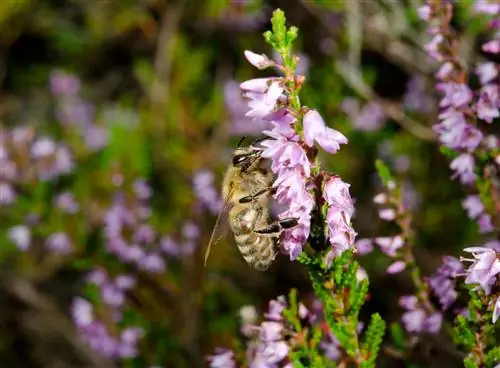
x=221, y=225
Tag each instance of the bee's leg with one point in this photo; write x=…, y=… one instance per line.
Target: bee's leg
x=253, y=198
x=277, y=227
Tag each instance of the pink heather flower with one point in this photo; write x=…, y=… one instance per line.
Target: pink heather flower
x=170, y=247
x=257, y=85
x=59, y=242
x=7, y=194
x=492, y=47
x=316, y=130
x=336, y=193
x=441, y=281
x=271, y=331
x=496, y=310
x=424, y=12
x=64, y=84
x=82, y=312
x=21, y=236
x=485, y=224
x=486, y=7
x=488, y=104
x=340, y=232
x=276, y=308
x=463, y=166
x=433, y=323
x=414, y=320
x=433, y=47
x=222, y=359
x=387, y=214
x=389, y=245
x=487, y=71
x=263, y=104
x=416, y=97
x=66, y=203
x=258, y=61
x=248, y=316
x=455, y=94
x=473, y=205
x=286, y=155
x=485, y=266
x=363, y=246
x=396, y=267
x=380, y=198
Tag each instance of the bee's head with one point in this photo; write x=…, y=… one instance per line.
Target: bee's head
x=244, y=156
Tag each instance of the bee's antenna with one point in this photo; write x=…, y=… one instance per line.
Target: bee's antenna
x=240, y=142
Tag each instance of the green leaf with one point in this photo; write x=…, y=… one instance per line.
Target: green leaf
x=383, y=171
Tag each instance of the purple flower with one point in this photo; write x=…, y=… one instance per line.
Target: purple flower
x=59, y=242
x=485, y=266
x=485, y=224
x=170, y=247
x=7, y=194
x=64, y=84
x=82, y=312
x=364, y=246
x=415, y=97
x=258, y=61
x=389, y=245
x=316, y=130
x=21, y=236
x=271, y=331
x=396, y=267
x=153, y=262
x=203, y=187
x=262, y=104
x=414, y=320
x=336, y=193
x=488, y=104
x=441, y=281
x=66, y=203
x=387, y=214
x=455, y=94
x=222, y=359
x=463, y=166
x=486, y=72
x=473, y=206
x=433, y=323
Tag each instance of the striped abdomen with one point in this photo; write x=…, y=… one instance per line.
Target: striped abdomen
x=257, y=250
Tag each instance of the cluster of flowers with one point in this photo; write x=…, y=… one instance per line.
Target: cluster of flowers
x=458, y=107
x=127, y=233
x=456, y=131
x=96, y=331
x=293, y=135
x=369, y=117
x=74, y=112
x=27, y=159
x=207, y=196
x=420, y=315
x=484, y=271
x=271, y=342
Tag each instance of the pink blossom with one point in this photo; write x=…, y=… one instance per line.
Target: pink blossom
x=389, y=245
x=463, y=166
x=485, y=266
x=316, y=130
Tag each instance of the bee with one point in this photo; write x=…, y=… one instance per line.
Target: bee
x=246, y=191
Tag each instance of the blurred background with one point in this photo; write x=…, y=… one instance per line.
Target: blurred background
x=117, y=121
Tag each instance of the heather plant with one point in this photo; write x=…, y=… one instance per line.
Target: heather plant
x=379, y=120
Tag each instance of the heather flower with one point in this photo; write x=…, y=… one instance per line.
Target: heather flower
x=486, y=72
x=63, y=83
x=263, y=103
x=222, y=359
x=415, y=97
x=7, y=194
x=442, y=284
x=21, y=236
x=463, y=166
x=473, y=206
x=237, y=108
x=485, y=266
x=396, y=267
x=59, y=242
x=488, y=103
x=485, y=224
x=387, y=214
x=389, y=245
x=363, y=246
x=258, y=61
x=66, y=203
x=316, y=130
x=416, y=318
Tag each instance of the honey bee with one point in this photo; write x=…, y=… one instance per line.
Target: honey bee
x=246, y=191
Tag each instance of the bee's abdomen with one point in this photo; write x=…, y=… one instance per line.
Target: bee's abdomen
x=257, y=250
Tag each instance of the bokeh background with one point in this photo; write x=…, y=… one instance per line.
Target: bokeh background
x=101, y=99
